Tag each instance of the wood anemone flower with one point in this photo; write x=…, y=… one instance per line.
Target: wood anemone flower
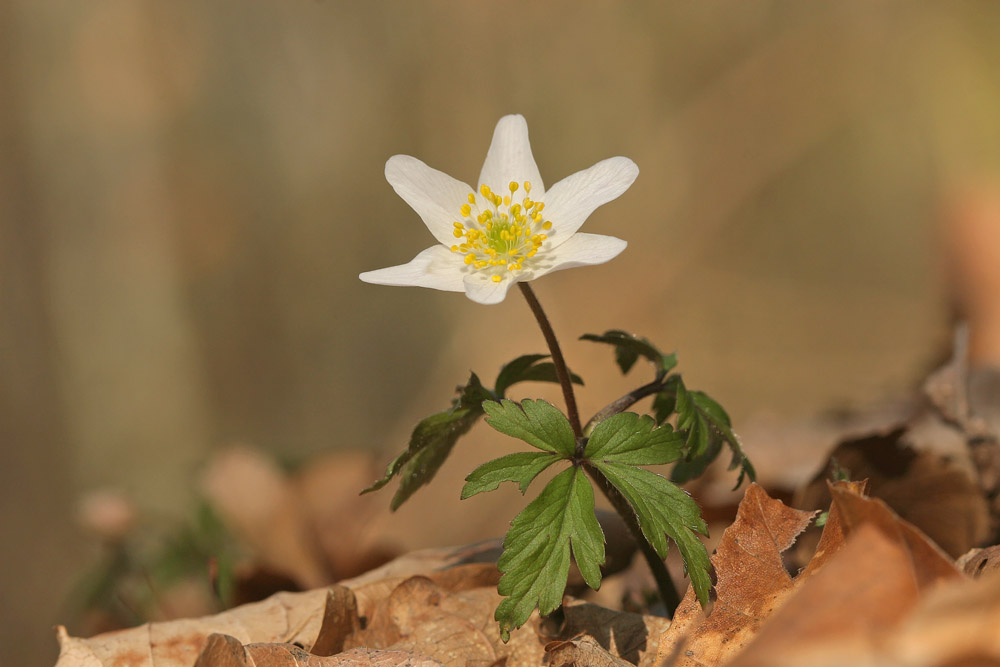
x=507, y=230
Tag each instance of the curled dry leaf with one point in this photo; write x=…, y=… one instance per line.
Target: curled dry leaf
x=583, y=652
x=980, y=562
x=869, y=571
x=752, y=582
x=632, y=637
x=925, y=488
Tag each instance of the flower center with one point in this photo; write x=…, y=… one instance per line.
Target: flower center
x=498, y=240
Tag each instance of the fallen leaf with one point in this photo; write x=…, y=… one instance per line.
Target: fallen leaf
x=980, y=562
x=923, y=487
x=751, y=583
x=261, y=506
x=226, y=651
x=632, y=637
x=869, y=570
x=583, y=652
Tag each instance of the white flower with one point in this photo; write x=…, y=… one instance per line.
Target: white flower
x=507, y=230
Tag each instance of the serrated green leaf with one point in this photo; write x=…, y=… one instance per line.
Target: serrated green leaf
x=431, y=442
x=628, y=438
x=663, y=509
x=707, y=427
x=536, y=556
x=628, y=349
x=538, y=423
x=522, y=468
x=528, y=368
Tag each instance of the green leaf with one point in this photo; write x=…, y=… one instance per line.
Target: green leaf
x=628, y=438
x=528, y=368
x=431, y=442
x=536, y=555
x=707, y=427
x=538, y=423
x=664, y=509
x=628, y=349
x=522, y=468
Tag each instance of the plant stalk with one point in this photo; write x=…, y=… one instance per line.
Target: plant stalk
x=557, y=359
x=668, y=592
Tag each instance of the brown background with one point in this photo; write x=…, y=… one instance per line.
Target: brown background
x=188, y=191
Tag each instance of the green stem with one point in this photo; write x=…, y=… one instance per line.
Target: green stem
x=668, y=592
x=557, y=359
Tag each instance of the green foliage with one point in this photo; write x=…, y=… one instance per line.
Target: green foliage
x=665, y=509
x=538, y=423
x=707, y=426
x=536, y=556
x=704, y=423
x=624, y=441
x=522, y=467
x=634, y=440
x=432, y=440
x=528, y=368
x=628, y=349
x=435, y=436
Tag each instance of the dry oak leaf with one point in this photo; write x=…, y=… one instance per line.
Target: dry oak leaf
x=869, y=571
x=751, y=582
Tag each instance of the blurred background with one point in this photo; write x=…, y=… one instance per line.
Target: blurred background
x=188, y=191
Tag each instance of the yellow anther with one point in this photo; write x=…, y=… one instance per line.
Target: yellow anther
x=458, y=233
x=547, y=225
x=527, y=186
x=454, y=248
x=506, y=200
x=470, y=258
x=540, y=206
x=472, y=197
x=496, y=278
x=484, y=190
x=466, y=210
x=512, y=186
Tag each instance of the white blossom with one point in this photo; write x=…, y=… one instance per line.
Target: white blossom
x=509, y=228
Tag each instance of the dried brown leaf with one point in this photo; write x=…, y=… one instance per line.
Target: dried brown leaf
x=980, y=562
x=752, y=582
x=869, y=571
x=925, y=488
x=262, y=507
x=584, y=652
x=633, y=637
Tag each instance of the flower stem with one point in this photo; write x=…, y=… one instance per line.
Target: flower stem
x=668, y=592
x=557, y=359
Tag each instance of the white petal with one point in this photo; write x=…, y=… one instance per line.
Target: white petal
x=433, y=194
x=580, y=250
x=571, y=201
x=509, y=159
x=481, y=289
x=437, y=268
